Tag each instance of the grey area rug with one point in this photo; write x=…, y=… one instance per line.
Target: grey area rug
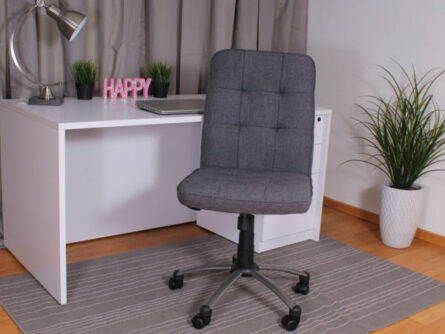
x=351, y=292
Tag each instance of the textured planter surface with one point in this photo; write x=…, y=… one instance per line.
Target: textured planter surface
x=160, y=89
x=400, y=214
x=84, y=91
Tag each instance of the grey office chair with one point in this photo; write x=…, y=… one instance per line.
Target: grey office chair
x=256, y=158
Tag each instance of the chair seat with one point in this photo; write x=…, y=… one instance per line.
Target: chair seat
x=246, y=191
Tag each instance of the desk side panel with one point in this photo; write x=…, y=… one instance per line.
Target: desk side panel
x=33, y=219
x=327, y=119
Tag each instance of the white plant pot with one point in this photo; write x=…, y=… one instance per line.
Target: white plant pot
x=400, y=214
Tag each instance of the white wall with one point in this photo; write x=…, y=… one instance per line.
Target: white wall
x=345, y=37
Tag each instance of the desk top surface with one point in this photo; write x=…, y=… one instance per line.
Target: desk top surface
x=97, y=113
x=102, y=113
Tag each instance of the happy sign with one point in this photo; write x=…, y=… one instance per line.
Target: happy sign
x=113, y=87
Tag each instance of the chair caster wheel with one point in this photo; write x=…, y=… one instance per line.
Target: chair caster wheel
x=302, y=286
x=176, y=281
x=290, y=322
x=301, y=289
x=199, y=322
x=202, y=319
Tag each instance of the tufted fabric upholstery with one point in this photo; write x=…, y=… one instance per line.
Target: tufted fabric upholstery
x=253, y=191
x=257, y=136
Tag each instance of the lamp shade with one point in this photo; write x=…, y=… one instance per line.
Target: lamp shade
x=70, y=22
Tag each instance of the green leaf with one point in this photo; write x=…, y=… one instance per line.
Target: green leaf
x=159, y=71
x=405, y=129
x=85, y=72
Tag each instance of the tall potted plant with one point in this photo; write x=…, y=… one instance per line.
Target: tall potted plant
x=405, y=141
x=159, y=73
x=85, y=75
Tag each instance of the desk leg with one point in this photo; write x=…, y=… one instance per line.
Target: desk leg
x=33, y=185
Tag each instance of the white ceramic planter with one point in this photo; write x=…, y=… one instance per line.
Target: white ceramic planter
x=400, y=214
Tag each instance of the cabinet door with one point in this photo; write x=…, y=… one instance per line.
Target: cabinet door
x=319, y=128
x=276, y=226
x=317, y=159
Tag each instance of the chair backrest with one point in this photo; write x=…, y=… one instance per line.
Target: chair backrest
x=259, y=111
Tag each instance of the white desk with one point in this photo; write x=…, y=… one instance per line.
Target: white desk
x=88, y=169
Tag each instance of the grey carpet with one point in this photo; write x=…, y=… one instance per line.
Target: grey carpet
x=351, y=292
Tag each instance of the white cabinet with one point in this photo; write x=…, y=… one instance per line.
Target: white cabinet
x=272, y=231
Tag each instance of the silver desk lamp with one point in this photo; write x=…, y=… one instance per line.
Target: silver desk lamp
x=70, y=23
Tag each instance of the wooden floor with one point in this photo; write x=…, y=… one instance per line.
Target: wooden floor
x=422, y=257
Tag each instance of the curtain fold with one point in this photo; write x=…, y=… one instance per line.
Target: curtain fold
x=122, y=36
x=49, y=50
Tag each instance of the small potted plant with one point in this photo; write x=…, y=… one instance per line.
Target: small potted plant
x=159, y=73
x=405, y=140
x=85, y=75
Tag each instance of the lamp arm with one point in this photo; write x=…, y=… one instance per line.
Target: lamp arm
x=12, y=51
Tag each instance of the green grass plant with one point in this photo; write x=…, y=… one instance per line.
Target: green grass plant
x=159, y=71
x=85, y=72
x=406, y=130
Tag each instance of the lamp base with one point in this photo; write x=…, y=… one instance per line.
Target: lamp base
x=38, y=101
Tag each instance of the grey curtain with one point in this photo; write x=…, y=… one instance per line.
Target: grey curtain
x=122, y=36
